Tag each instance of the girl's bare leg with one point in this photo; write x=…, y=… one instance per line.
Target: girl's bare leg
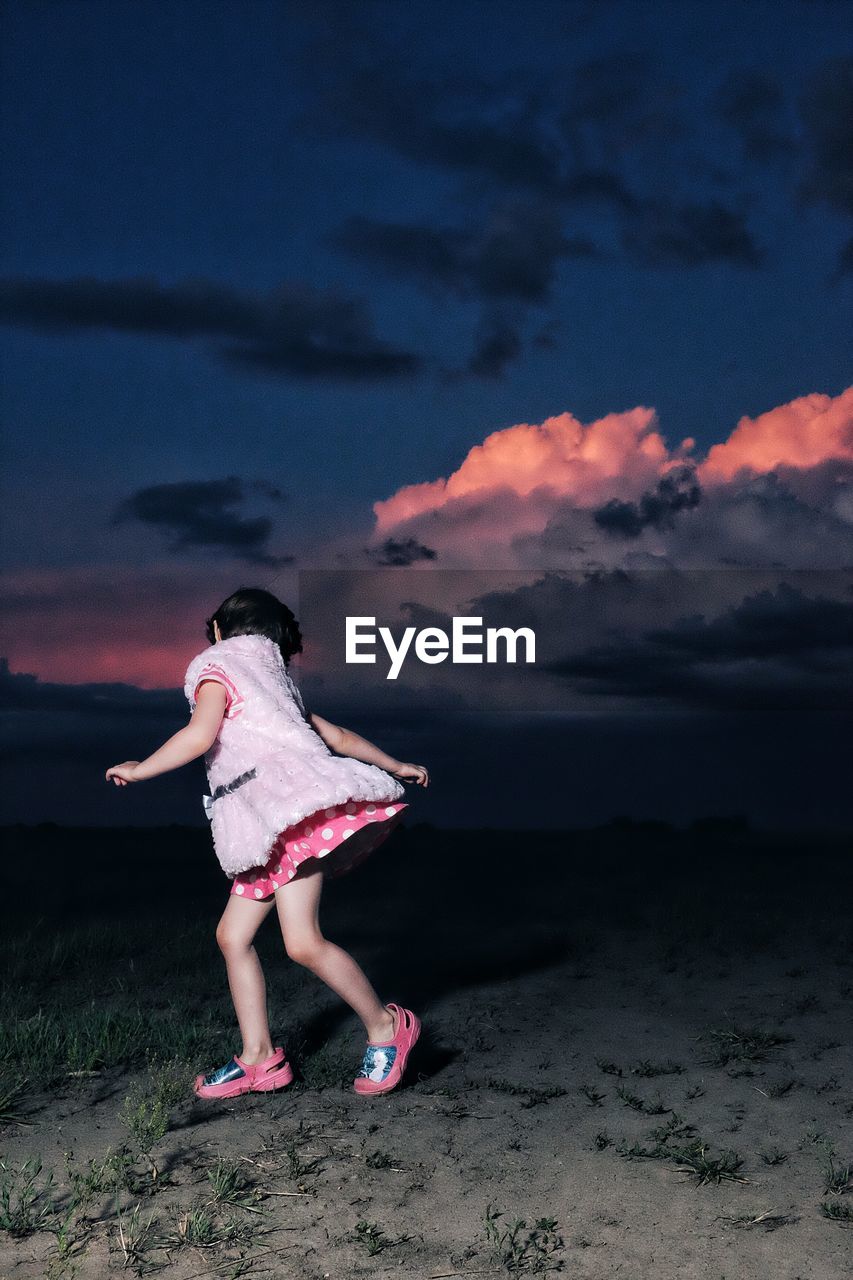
x=298, y=904
x=235, y=932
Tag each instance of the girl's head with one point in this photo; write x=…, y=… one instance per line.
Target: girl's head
x=253, y=611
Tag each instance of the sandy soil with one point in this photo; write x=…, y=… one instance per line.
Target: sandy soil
x=593, y=1004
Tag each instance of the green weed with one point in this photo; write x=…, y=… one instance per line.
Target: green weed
x=26, y=1205
x=522, y=1248
x=738, y=1044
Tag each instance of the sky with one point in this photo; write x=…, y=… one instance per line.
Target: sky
x=484, y=287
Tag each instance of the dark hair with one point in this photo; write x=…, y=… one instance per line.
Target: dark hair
x=253, y=611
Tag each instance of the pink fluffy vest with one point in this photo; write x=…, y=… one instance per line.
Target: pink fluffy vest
x=268, y=768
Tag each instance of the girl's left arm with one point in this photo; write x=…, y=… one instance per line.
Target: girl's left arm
x=187, y=744
x=347, y=743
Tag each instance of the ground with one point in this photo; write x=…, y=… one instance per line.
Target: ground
x=636, y=1062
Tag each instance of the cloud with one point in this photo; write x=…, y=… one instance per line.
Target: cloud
x=294, y=330
x=826, y=107
x=498, y=344
x=775, y=649
x=564, y=494
x=509, y=263
x=514, y=254
x=200, y=513
x=662, y=233
x=800, y=434
x=22, y=691
x=399, y=553
x=656, y=508
x=616, y=103
x=615, y=456
x=752, y=102
x=420, y=119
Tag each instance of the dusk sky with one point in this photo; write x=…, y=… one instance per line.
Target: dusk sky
x=531, y=287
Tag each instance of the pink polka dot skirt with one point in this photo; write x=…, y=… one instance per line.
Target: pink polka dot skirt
x=346, y=834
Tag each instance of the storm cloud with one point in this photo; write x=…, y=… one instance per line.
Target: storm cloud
x=294, y=330
x=202, y=513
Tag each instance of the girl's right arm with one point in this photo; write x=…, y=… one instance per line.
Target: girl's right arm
x=346, y=743
x=187, y=744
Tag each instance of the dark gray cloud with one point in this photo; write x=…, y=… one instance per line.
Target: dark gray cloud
x=513, y=255
x=617, y=102
x=511, y=259
x=689, y=234
x=498, y=344
x=394, y=552
x=776, y=649
x=674, y=492
x=410, y=115
x=826, y=107
x=201, y=513
x=295, y=330
x=22, y=692
x=753, y=103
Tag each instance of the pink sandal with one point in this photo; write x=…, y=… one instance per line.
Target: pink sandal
x=384, y=1062
x=238, y=1077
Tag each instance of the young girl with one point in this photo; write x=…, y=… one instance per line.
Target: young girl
x=293, y=798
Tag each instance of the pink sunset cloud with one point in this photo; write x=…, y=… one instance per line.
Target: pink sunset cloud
x=802, y=434
x=615, y=456
x=779, y=489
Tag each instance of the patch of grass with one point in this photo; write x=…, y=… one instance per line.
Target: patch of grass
x=779, y=1088
x=230, y=1184
x=525, y=1249
x=705, y=1168
x=147, y=1109
x=744, y=1044
x=378, y=1160
x=134, y=1236
x=837, y=1178
x=299, y=1170
x=531, y=1095
x=201, y=1228
x=675, y=1129
x=609, y=1068
x=593, y=1097
x=768, y=1219
x=51, y=1046
x=68, y=1244
x=373, y=1237
x=98, y=1176
x=602, y=1141
x=695, y=1091
x=838, y=1211
x=636, y=1103
x=26, y=1203
x=647, y=1069
x=12, y=1091
x=774, y=1156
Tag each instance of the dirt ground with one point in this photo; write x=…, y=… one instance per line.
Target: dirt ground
x=636, y=1062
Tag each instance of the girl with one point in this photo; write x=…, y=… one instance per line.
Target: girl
x=293, y=798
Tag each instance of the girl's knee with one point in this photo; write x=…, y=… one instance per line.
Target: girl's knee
x=304, y=948
x=228, y=939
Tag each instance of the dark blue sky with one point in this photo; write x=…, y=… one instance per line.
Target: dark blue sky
x=616, y=204
x=267, y=264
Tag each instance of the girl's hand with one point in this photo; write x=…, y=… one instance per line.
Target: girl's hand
x=122, y=774
x=412, y=773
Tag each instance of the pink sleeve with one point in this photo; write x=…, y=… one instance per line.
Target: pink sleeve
x=213, y=672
